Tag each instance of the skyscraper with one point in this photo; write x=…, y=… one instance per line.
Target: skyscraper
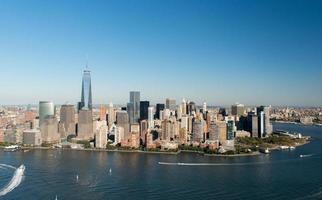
x=46, y=108
x=85, y=125
x=86, y=99
x=133, y=107
x=159, y=108
x=67, y=119
x=122, y=120
x=150, y=117
x=144, y=106
x=237, y=109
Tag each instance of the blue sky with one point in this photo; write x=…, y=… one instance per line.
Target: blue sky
x=222, y=52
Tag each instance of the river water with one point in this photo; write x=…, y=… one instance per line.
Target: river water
x=71, y=174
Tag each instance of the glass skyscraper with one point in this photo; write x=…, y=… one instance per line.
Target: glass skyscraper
x=86, y=101
x=134, y=107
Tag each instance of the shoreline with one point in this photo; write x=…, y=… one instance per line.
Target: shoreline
x=297, y=123
x=142, y=152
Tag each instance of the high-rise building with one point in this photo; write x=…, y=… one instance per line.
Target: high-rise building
x=221, y=131
x=32, y=137
x=46, y=108
x=197, y=130
x=184, y=107
x=67, y=119
x=101, y=137
x=133, y=107
x=238, y=109
x=159, y=107
x=150, y=117
x=49, y=130
x=191, y=107
x=86, y=99
x=230, y=130
x=122, y=120
x=144, y=130
x=264, y=126
x=252, y=124
x=170, y=104
x=213, y=134
x=111, y=116
x=102, y=113
x=144, y=106
x=85, y=125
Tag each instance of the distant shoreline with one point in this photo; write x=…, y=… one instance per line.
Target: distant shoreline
x=297, y=123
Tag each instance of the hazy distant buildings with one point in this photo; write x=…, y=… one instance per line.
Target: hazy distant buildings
x=170, y=104
x=46, y=108
x=238, y=109
x=86, y=98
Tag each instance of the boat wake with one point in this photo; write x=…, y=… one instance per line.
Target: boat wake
x=15, y=180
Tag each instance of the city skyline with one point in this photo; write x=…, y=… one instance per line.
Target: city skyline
x=204, y=51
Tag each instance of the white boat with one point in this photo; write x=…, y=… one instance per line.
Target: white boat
x=12, y=148
x=284, y=147
x=291, y=147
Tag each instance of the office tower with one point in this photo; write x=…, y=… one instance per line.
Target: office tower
x=204, y=107
x=144, y=130
x=122, y=120
x=184, y=107
x=221, y=131
x=191, y=107
x=252, y=124
x=213, y=134
x=102, y=113
x=86, y=99
x=101, y=137
x=133, y=107
x=238, y=109
x=150, y=118
x=32, y=137
x=170, y=104
x=230, y=130
x=197, y=130
x=165, y=130
x=67, y=120
x=111, y=116
x=159, y=107
x=46, y=108
x=49, y=130
x=144, y=106
x=264, y=126
x=85, y=125
x=135, y=128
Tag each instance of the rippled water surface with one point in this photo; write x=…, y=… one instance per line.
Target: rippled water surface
x=281, y=175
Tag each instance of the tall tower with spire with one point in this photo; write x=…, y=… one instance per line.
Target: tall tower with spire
x=86, y=98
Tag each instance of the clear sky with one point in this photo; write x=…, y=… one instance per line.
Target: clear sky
x=218, y=51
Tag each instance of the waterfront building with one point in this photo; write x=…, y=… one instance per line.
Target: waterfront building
x=67, y=120
x=198, y=130
x=159, y=108
x=49, y=130
x=119, y=134
x=133, y=107
x=46, y=108
x=238, y=109
x=101, y=137
x=170, y=104
x=144, y=130
x=221, y=131
x=144, y=110
x=85, y=125
x=150, y=117
x=86, y=96
x=264, y=125
x=213, y=133
x=32, y=137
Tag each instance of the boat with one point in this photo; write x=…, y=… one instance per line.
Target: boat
x=291, y=147
x=265, y=151
x=284, y=147
x=12, y=148
x=304, y=156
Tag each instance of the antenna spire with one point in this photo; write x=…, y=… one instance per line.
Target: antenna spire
x=86, y=61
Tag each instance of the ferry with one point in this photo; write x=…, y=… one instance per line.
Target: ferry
x=12, y=148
